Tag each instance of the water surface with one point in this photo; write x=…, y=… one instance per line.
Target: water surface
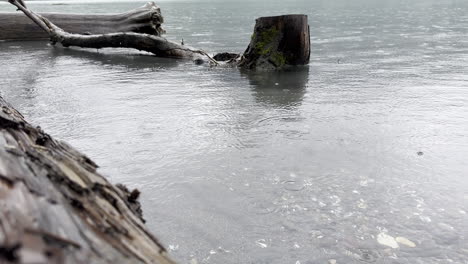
x=296, y=167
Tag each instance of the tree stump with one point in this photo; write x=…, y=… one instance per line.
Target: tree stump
x=146, y=19
x=277, y=42
x=56, y=209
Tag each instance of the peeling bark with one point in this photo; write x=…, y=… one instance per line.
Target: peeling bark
x=55, y=207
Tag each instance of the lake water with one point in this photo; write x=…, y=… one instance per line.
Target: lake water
x=319, y=163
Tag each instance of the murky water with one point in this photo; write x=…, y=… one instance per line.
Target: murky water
x=323, y=162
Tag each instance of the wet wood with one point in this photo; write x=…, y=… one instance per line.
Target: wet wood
x=146, y=19
x=56, y=208
x=278, y=42
x=157, y=45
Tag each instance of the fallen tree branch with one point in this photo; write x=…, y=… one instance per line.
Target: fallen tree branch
x=157, y=45
x=35, y=18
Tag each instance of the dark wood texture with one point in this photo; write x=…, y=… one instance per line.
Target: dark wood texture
x=55, y=208
x=277, y=42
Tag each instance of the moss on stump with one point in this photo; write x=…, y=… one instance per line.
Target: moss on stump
x=278, y=42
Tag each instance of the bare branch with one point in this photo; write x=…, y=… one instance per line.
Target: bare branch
x=38, y=19
x=154, y=44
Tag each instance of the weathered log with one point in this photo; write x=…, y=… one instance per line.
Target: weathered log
x=146, y=19
x=155, y=44
x=277, y=42
x=55, y=207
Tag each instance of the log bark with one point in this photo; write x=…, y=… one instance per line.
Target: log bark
x=55, y=207
x=277, y=42
x=146, y=19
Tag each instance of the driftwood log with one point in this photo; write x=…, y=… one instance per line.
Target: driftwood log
x=146, y=19
x=157, y=45
x=277, y=42
x=55, y=208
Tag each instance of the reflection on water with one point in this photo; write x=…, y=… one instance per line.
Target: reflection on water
x=359, y=157
x=282, y=89
x=117, y=57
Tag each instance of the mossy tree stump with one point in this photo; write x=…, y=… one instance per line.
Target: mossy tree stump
x=277, y=42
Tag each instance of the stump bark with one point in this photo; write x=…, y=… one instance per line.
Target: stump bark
x=55, y=208
x=277, y=42
x=146, y=19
